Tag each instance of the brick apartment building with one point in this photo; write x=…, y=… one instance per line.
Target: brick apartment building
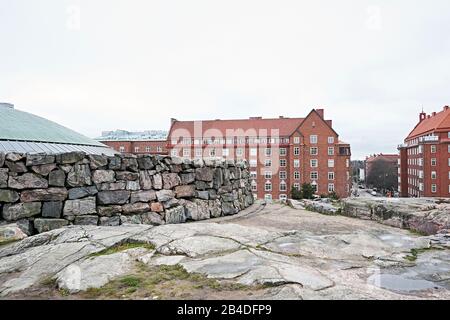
x=425, y=157
x=146, y=142
x=282, y=152
x=391, y=160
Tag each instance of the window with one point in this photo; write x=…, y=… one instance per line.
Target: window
x=283, y=186
x=268, y=174
x=330, y=175
x=268, y=197
x=297, y=186
x=253, y=163
x=187, y=153
x=296, y=151
x=268, y=152
x=158, y=149
x=283, y=197
x=296, y=140
x=239, y=152
x=433, y=149
x=283, y=163
x=313, y=139
x=331, y=151
x=297, y=175
x=433, y=188
x=347, y=163
x=225, y=152
x=296, y=163
x=330, y=140
x=283, y=175
x=314, y=175
x=212, y=152
x=314, y=151
x=121, y=149
x=147, y=149
x=254, y=187
x=268, y=163
x=433, y=175
x=174, y=153
x=174, y=141
x=283, y=151
x=314, y=163
x=136, y=149
x=330, y=163
x=253, y=152
x=433, y=162
x=253, y=174
x=198, y=153
x=331, y=187
x=268, y=186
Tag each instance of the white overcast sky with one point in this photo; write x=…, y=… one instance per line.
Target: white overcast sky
x=96, y=65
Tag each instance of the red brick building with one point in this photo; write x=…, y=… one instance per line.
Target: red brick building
x=147, y=142
x=282, y=152
x=389, y=159
x=425, y=157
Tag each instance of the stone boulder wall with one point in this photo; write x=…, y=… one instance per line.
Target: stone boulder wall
x=41, y=192
x=424, y=215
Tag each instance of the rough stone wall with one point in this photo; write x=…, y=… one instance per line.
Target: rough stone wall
x=42, y=192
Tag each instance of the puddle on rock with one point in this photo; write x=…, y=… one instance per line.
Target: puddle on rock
x=401, y=283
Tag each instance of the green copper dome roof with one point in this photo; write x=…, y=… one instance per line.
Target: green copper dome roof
x=22, y=126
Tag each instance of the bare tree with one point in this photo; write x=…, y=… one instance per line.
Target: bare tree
x=383, y=175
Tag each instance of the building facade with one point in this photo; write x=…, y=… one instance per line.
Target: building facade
x=392, y=160
x=282, y=152
x=146, y=142
x=425, y=157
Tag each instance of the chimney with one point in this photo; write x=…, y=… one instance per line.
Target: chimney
x=446, y=108
x=6, y=105
x=422, y=116
x=320, y=112
x=434, y=113
x=281, y=117
x=173, y=120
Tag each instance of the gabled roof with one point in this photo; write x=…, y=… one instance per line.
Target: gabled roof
x=286, y=126
x=439, y=121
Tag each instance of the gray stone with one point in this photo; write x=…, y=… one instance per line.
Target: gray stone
x=196, y=210
x=11, y=232
x=2, y=159
x=157, y=182
x=98, y=161
x=228, y=209
x=198, y=163
x=44, y=169
x=133, y=185
x=14, y=156
x=218, y=178
x=26, y=225
x=79, y=176
x=135, y=208
x=164, y=195
x=187, y=178
x=215, y=208
x=212, y=194
x=39, y=159
x=152, y=218
x=4, y=177
x=50, y=194
x=229, y=197
x=8, y=196
x=27, y=181
x=170, y=180
x=13, y=212
x=70, y=157
x=112, y=186
x=127, y=176
x=175, y=215
x=145, y=163
x=80, y=207
x=82, y=192
x=109, y=211
x=202, y=185
x=57, y=178
x=109, y=221
x=115, y=163
x=52, y=209
x=185, y=191
x=113, y=197
x=143, y=196
x=103, y=176
x=134, y=219
x=204, y=195
x=145, y=179
x=86, y=220
x=204, y=174
x=171, y=203
x=45, y=225
x=17, y=167
x=130, y=164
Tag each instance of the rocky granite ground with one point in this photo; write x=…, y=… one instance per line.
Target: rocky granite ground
x=266, y=252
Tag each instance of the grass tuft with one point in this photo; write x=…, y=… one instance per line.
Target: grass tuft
x=123, y=247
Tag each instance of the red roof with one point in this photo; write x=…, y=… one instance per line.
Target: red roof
x=387, y=157
x=439, y=121
x=286, y=126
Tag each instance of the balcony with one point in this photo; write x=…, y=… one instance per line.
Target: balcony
x=428, y=139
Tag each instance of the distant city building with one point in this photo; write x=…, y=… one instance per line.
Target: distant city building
x=425, y=157
x=282, y=152
x=389, y=159
x=145, y=142
x=26, y=133
x=362, y=174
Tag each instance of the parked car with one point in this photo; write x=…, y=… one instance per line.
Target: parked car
x=374, y=193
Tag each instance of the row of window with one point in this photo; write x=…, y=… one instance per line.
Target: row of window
x=189, y=141
x=138, y=149
x=283, y=175
x=433, y=188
